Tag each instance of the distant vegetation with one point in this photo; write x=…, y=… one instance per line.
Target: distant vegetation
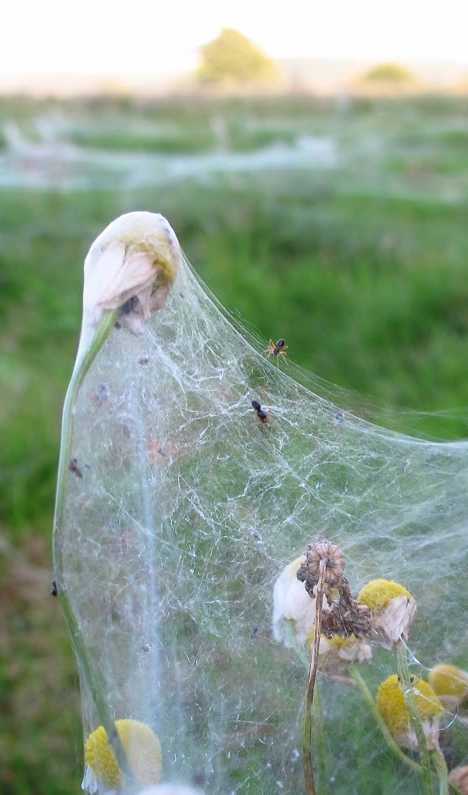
x=233, y=60
x=389, y=73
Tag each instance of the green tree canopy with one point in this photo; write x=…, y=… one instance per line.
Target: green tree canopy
x=232, y=58
x=389, y=73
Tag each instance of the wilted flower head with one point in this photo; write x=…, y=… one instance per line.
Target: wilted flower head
x=336, y=650
x=393, y=708
x=142, y=749
x=130, y=266
x=349, y=649
x=292, y=606
x=343, y=620
x=392, y=608
x=459, y=778
x=332, y=557
x=450, y=683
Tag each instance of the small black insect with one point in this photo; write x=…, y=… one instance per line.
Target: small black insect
x=54, y=591
x=73, y=467
x=261, y=414
x=278, y=348
x=412, y=679
x=143, y=360
x=129, y=306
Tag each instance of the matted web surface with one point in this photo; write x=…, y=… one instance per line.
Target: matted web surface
x=187, y=511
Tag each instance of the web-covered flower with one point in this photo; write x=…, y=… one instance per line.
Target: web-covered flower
x=142, y=750
x=450, y=683
x=293, y=608
x=345, y=622
x=391, y=704
x=349, y=649
x=131, y=266
x=392, y=609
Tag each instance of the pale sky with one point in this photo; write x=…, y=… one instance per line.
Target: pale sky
x=163, y=36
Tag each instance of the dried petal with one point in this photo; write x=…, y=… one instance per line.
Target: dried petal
x=292, y=606
x=392, y=609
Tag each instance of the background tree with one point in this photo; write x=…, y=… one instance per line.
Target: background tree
x=232, y=58
x=389, y=73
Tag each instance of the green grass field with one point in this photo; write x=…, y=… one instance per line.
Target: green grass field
x=362, y=264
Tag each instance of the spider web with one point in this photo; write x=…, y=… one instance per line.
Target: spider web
x=188, y=509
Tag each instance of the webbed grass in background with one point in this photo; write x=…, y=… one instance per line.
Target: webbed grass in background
x=362, y=269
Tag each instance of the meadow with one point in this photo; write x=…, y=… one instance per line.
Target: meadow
x=337, y=224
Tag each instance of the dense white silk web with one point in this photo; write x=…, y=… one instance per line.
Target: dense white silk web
x=181, y=510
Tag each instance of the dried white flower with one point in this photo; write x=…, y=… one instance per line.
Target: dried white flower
x=293, y=608
x=131, y=265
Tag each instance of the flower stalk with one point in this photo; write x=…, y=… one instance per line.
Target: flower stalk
x=311, y=679
x=440, y=766
x=90, y=673
x=407, y=687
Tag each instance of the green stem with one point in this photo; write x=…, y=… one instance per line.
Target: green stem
x=309, y=780
x=440, y=767
x=392, y=744
x=90, y=672
x=410, y=699
x=321, y=744
x=78, y=375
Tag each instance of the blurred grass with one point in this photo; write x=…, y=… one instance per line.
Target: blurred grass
x=366, y=278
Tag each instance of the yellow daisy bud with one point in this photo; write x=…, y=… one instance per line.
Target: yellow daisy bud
x=392, y=706
x=450, y=683
x=142, y=749
x=392, y=608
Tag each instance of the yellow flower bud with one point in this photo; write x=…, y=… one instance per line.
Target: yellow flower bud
x=376, y=594
x=142, y=749
x=393, y=708
x=450, y=683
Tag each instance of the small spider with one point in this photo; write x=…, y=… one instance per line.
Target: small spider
x=73, y=467
x=54, y=591
x=278, y=348
x=261, y=414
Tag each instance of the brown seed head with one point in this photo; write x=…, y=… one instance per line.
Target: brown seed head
x=342, y=615
x=322, y=550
